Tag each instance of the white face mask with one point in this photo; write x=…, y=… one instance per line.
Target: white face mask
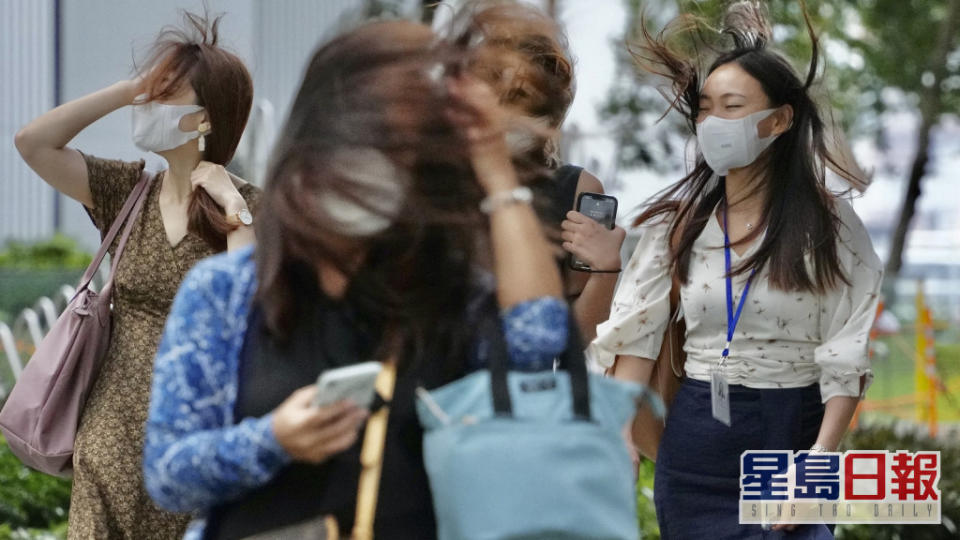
x=523, y=138
x=731, y=144
x=382, y=186
x=156, y=126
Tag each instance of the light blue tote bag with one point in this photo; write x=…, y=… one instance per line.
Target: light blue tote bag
x=531, y=455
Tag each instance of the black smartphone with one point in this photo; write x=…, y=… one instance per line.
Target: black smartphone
x=600, y=208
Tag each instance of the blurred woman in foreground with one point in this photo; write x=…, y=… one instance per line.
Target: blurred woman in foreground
x=390, y=189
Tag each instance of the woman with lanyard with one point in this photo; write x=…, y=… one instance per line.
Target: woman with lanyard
x=779, y=282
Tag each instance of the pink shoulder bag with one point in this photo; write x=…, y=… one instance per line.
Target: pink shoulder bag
x=42, y=413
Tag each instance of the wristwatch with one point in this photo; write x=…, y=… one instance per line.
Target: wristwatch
x=500, y=199
x=819, y=449
x=243, y=217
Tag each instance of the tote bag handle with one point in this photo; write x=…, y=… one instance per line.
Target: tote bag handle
x=572, y=359
x=135, y=199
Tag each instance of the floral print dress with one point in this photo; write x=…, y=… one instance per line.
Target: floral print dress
x=108, y=498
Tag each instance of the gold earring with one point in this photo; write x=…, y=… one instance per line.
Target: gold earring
x=203, y=128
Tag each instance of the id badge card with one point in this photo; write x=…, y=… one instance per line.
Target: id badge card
x=720, y=396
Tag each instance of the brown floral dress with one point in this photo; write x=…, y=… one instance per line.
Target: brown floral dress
x=108, y=498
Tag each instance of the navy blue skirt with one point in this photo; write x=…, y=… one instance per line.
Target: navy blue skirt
x=697, y=481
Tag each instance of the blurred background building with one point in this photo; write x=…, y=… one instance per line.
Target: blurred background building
x=57, y=50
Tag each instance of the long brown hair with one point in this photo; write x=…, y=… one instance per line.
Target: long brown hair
x=373, y=103
x=192, y=54
x=799, y=212
x=524, y=55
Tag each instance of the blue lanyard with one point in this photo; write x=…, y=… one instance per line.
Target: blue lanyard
x=732, y=318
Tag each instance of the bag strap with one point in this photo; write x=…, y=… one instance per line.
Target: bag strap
x=498, y=366
x=575, y=362
x=572, y=359
x=131, y=221
x=371, y=455
x=132, y=207
x=676, y=312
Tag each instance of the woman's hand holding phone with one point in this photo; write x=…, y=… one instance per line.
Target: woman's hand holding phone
x=591, y=242
x=312, y=434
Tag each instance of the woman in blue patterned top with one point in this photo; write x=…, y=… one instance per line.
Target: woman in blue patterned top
x=391, y=207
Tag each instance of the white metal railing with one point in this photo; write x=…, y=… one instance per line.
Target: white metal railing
x=33, y=323
x=9, y=345
x=48, y=309
x=29, y=320
x=63, y=297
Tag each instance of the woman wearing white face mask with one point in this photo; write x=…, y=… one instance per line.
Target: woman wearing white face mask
x=190, y=105
x=778, y=282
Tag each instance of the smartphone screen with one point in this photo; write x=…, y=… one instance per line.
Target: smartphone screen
x=356, y=383
x=600, y=208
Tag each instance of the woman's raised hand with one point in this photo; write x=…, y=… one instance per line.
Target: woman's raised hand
x=313, y=434
x=478, y=113
x=136, y=86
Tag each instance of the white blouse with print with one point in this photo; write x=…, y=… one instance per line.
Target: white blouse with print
x=783, y=339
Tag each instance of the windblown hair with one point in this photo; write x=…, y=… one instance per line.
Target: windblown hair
x=524, y=55
x=801, y=222
x=370, y=129
x=191, y=54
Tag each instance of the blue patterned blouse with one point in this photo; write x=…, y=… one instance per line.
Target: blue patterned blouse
x=197, y=455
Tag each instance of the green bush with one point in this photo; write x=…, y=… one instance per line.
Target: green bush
x=59, y=253
x=29, y=499
x=646, y=513
x=886, y=437
x=58, y=532
x=29, y=271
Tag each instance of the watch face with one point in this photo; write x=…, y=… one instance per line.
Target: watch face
x=245, y=217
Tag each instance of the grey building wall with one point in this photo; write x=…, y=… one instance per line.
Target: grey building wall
x=287, y=32
x=26, y=90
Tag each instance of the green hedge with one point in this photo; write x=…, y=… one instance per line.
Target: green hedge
x=29, y=271
x=886, y=437
x=30, y=500
x=57, y=253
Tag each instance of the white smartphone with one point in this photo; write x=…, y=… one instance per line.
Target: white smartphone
x=355, y=383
